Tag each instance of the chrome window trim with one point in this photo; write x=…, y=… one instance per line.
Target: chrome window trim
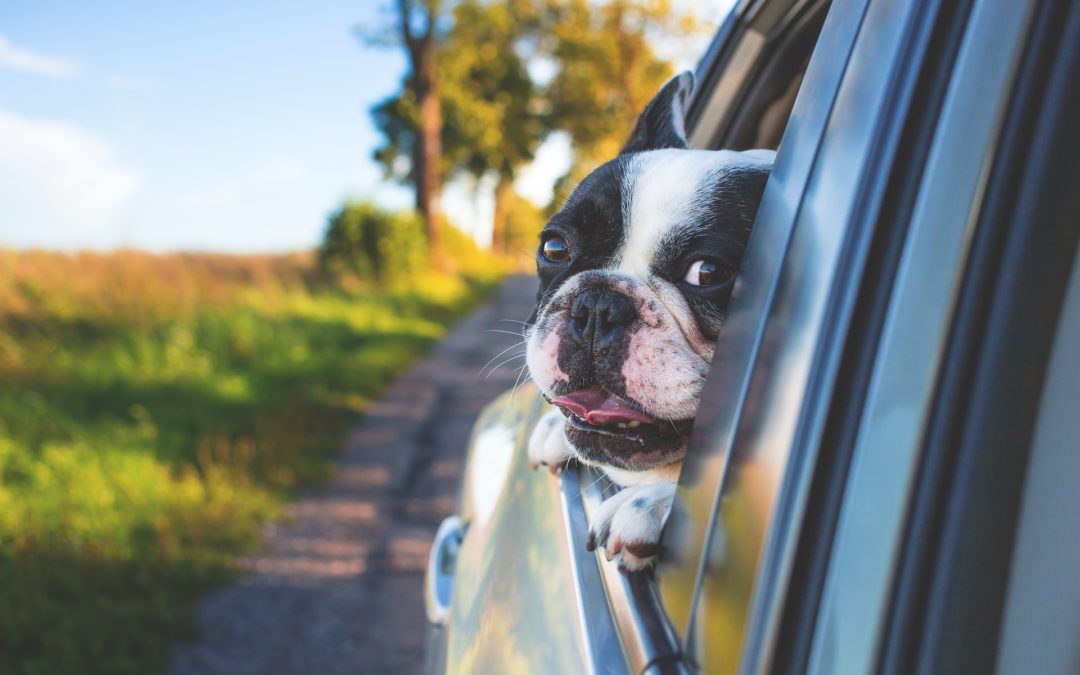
x=639, y=618
x=599, y=631
x=855, y=601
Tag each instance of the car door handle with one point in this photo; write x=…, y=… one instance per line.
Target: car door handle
x=439, y=583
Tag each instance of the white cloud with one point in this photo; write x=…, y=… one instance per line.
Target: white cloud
x=58, y=179
x=13, y=57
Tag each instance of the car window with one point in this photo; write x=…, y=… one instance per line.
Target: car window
x=746, y=103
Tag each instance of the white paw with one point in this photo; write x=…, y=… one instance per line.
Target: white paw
x=628, y=525
x=548, y=444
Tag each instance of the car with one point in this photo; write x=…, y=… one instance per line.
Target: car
x=882, y=473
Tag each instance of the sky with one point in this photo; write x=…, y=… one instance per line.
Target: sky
x=229, y=126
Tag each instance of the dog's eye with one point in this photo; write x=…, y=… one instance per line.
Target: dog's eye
x=703, y=273
x=555, y=249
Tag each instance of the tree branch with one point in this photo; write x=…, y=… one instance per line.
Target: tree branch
x=411, y=43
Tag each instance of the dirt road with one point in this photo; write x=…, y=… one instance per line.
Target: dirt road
x=338, y=586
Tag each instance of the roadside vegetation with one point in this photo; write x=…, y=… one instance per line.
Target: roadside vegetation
x=156, y=409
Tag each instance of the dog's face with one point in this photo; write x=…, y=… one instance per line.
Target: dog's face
x=635, y=272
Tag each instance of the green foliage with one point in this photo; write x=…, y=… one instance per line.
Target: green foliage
x=366, y=246
x=373, y=244
x=608, y=70
x=492, y=119
x=495, y=113
x=147, y=428
x=490, y=106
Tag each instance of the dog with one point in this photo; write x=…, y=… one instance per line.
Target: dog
x=636, y=270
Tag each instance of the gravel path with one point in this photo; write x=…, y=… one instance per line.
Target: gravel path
x=338, y=588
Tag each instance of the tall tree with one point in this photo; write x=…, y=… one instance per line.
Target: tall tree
x=493, y=114
x=494, y=123
x=418, y=23
x=489, y=106
x=607, y=71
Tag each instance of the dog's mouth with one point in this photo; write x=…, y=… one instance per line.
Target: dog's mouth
x=600, y=412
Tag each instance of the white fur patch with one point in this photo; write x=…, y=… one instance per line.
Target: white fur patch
x=548, y=444
x=660, y=191
x=632, y=519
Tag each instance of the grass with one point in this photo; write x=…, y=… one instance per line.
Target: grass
x=154, y=410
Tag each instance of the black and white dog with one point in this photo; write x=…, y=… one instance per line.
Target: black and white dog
x=635, y=271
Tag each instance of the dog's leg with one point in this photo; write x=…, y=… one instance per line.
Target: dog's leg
x=628, y=525
x=548, y=444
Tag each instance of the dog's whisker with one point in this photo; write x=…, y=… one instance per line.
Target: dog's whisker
x=507, y=332
x=523, y=370
x=512, y=358
x=599, y=478
x=482, y=368
x=513, y=392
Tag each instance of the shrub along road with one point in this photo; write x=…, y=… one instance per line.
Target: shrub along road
x=338, y=587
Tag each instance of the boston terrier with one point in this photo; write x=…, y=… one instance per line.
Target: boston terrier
x=636, y=270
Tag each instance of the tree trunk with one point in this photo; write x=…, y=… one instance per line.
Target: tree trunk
x=427, y=174
x=504, y=191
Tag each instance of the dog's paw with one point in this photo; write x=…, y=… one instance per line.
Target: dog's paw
x=628, y=525
x=548, y=444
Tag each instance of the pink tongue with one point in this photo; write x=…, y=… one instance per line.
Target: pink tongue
x=596, y=406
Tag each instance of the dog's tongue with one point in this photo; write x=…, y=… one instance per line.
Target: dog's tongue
x=597, y=406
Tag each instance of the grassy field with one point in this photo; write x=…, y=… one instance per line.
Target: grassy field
x=153, y=411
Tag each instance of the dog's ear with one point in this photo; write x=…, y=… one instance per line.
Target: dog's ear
x=663, y=123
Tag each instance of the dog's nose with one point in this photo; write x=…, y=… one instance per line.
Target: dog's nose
x=598, y=317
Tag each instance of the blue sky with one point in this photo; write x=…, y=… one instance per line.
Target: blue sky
x=233, y=125
x=227, y=126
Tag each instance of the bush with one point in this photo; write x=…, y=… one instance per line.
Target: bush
x=373, y=245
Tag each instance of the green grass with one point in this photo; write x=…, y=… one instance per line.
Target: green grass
x=154, y=410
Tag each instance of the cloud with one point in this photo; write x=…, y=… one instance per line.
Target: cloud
x=56, y=177
x=13, y=57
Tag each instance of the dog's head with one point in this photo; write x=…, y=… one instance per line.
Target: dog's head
x=635, y=271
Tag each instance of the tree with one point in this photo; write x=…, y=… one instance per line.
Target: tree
x=418, y=23
x=607, y=71
x=489, y=106
x=493, y=111
x=492, y=114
